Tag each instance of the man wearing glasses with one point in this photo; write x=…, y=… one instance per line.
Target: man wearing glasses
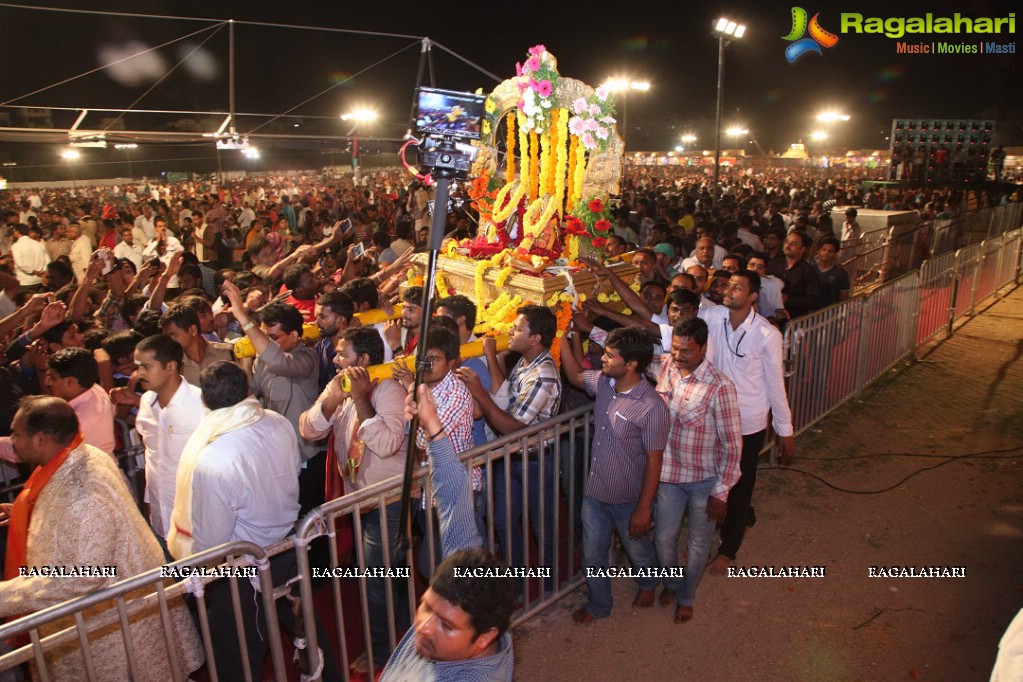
x=748, y=350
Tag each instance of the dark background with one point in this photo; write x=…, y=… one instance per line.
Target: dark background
x=667, y=43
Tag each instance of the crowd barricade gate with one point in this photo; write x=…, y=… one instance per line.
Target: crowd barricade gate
x=125, y=604
x=561, y=446
x=832, y=354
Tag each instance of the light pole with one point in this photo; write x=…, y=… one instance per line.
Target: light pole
x=71, y=155
x=624, y=85
x=357, y=117
x=725, y=30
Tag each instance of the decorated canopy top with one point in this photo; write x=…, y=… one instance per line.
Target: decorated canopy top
x=550, y=158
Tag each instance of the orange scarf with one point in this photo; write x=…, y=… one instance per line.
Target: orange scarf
x=21, y=512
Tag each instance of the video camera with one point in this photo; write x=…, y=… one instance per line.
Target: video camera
x=448, y=119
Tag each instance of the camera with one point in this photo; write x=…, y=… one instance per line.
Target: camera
x=444, y=116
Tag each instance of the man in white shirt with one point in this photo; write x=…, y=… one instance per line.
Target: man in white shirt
x=707, y=253
x=127, y=248
x=81, y=250
x=145, y=222
x=748, y=349
x=237, y=480
x=770, y=300
x=164, y=245
x=169, y=411
x=30, y=258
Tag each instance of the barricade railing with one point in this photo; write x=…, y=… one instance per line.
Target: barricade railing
x=556, y=457
x=116, y=615
x=832, y=354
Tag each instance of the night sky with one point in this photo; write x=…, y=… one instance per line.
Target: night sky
x=668, y=43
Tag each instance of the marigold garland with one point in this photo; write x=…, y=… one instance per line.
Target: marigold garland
x=555, y=143
x=498, y=316
x=560, y=166
x=534, y=165
x=579, y=176
x=523, y=153
x=503, y=276
x=570, y=203
x=545, y=164
x=502, y=211
x=533, y=226
x=564, y=317
x=509, y=169
x=443, y=289
x=481, y=267
x=572, y=247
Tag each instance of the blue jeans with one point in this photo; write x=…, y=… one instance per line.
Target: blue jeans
x=672, y=501
x=376, y=589
x=543, y=527
x=600, y=520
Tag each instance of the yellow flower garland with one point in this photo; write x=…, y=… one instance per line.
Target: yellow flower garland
x=531, y=227
x=545, y=164
x=579, y=176
x=504, y=211
x=561, y=119
x=573, y=147
x=534, y=165
x=442, y=285
x=503, y=276
x=509, y=172
x=481, y=267
x=523, y=153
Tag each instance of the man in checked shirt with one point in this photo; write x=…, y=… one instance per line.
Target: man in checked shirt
x=701, y=460
x=631, y=429
x=534, y=394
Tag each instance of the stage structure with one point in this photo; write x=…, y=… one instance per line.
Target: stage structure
x=940, y=150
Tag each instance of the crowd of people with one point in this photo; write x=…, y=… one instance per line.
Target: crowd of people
x=232, y=325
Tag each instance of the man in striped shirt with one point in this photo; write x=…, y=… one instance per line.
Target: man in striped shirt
x=631, y=430
x=701, y=460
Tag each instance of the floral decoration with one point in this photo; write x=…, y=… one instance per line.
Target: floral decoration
x=537, y=80
x=593, y=120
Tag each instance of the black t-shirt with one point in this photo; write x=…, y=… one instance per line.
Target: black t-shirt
x=834, y=281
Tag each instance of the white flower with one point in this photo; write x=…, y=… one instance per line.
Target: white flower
x=594, y=110
x=590, y=124
x=602, y=133
x=602, y=92
x=545, y=103
x=608, y=120
x=529, y=108
x=579, y=105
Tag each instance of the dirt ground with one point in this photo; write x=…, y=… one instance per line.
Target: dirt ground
x=964, y=396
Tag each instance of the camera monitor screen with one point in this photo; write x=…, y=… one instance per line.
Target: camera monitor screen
x=443, y=112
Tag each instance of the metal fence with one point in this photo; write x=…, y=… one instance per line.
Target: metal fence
x=558, y=448
x=832, y=354
x=113, y=619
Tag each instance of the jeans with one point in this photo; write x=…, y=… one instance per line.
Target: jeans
x=600, y=520
x=376, y=589
x=734, y=527
x=543, y=527
x=672, y=501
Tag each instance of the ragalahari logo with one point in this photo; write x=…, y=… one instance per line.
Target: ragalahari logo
x=818, y=36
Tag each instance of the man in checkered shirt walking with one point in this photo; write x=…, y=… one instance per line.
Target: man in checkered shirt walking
x=701, y=460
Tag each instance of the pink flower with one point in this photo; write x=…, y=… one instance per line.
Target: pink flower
x=594, y=110
x=602, y=133
x=588, y=141
x=520, y=104
x=575, y=126
x=608, y=120
x=534, y=84
x=533, y=63
x=602, y=92
x=590, y=125
x=545, y=88
x=579, y=105
x=537, y=50
x=518, y=69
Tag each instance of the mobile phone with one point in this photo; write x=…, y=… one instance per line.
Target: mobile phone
x=358, y=251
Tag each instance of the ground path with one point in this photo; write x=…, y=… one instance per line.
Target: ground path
x=964, y=396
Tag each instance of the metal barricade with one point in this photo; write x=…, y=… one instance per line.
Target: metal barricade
x=889, y=330
x=117, y=611
x=987, y=269
x=966, y=262
x=1008, y=267
x=937, y=291
x=560, y=450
